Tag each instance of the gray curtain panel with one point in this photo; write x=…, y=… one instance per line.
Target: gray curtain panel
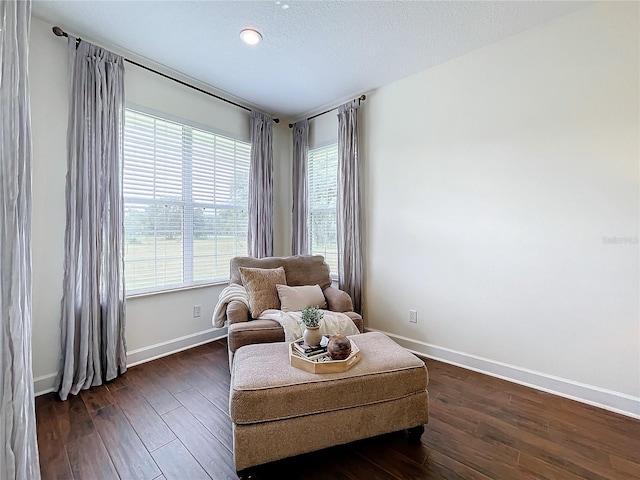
x=260, y=236
x=300, y=235
x=18, y=444
x=93, y=301
x=349, y=214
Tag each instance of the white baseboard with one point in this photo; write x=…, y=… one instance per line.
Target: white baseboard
x=589, y=394
x=175, y=345
x=45, y=383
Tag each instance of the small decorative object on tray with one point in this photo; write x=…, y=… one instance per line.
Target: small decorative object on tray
x=339, y=347
x=321, y=362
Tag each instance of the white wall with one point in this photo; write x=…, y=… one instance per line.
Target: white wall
x=491, y=182
x=282, y=188
x=48, y=88
x=159, y=323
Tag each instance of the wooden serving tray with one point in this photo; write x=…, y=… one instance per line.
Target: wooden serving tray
x=331, y=366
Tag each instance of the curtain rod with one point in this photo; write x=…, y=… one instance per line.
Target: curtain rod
x=361, y=98
x=61, y=33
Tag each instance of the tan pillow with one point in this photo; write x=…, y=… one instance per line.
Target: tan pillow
x=294, y=299
x=260, y=284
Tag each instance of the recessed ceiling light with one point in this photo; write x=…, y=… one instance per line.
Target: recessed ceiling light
x=250, y=36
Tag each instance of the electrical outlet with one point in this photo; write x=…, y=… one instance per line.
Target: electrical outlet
x=413, y=316
x=196, y=311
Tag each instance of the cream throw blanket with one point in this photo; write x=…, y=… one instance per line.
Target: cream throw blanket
x=332, y=323
x=228, y=295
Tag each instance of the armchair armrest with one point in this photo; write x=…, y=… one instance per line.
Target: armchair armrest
x=337, y=300
x=237, y=312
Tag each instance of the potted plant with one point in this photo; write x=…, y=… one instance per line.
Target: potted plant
x=310, y=318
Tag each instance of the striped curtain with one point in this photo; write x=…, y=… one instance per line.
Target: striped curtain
x=300, y=211
x=260, y=235
x=18, y=445
x=349, y=202
x=93, y=301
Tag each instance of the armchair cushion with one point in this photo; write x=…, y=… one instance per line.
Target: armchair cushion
x=338, y=300
x=299, y=270
x=260, y=284
x=294, y=299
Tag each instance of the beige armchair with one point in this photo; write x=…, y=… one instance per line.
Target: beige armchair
x=299, y=270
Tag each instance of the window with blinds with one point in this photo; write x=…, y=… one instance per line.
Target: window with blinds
x=322, y=171
x=186, y=195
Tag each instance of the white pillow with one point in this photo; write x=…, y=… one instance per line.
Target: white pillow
x=294, y=299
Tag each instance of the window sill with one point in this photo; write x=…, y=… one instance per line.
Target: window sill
x=177, y=289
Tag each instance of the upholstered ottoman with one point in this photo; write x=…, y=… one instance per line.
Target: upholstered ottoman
x=279, y=411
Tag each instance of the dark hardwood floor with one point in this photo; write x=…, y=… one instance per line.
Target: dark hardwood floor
x=168, y=419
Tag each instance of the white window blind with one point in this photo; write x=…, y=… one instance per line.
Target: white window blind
x=323, y=191
x=186, y=198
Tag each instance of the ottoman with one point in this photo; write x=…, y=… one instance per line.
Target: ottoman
x=280, y=411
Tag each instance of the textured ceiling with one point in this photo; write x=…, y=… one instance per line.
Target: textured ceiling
x=314, y=55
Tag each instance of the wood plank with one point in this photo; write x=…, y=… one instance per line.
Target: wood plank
x=214, y=392
x=96, y=397
x=149, y=426
x=128, y=454
x=399, y=441
x=463, y=420
x=89, y=458
x=472, y=402
x=496, y=431
x=167, y=377
x=310, y=466
x=356, y=467
x=456, y=468
x=158, y=397
x=209, y=415
x=212, y=455
x=586, y=437
x=538, y=469
x=177, y=463
x=452, y=385
x=389, y=460
x=204, y=365
x=118, y=382
x=74, y=421
x=491, y=459
x=625, y=468
x=576, y=414
x=54, y=464
x=444, y=370
x=447, y=407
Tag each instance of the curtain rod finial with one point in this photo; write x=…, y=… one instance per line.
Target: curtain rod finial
x=58, y=31
x=363, y=97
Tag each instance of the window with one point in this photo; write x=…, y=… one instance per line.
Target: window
x=323, y=193
x=185, y=203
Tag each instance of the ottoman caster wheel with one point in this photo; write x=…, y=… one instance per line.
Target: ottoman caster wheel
x=415, y=433
x=245, y=475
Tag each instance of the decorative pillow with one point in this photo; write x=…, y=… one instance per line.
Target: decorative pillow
x=294, y=299
x=260, y=284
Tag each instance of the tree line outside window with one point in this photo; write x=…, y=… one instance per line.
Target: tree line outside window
x=186, y=197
